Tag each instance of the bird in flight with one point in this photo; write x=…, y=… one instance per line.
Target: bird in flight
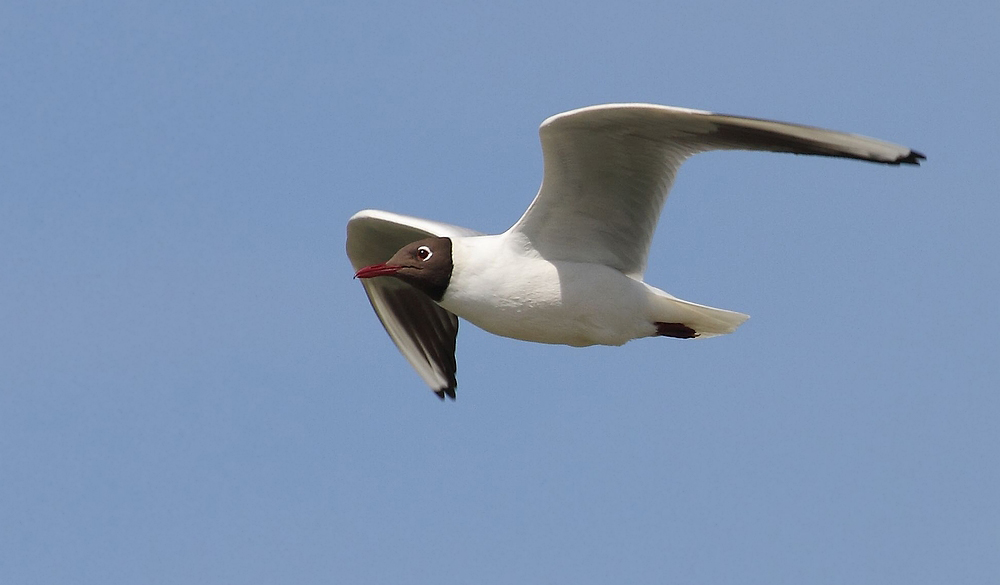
x=570, y=270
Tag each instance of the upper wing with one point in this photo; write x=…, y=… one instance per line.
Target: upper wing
x=424, y=332
x=608, y=170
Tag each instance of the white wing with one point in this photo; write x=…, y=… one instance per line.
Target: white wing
x=608, y=170
x=424, y=332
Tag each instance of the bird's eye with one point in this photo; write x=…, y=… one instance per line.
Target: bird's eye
x=424, y=253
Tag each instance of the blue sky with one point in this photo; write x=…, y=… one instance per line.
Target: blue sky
x=194, y=390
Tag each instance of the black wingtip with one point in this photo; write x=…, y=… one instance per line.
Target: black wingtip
x=913, y=158
x=449, y=392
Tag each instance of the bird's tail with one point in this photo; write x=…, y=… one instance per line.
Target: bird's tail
x=679, y=318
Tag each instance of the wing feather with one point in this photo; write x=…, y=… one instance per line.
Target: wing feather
x=608, y=170
x=423, y=332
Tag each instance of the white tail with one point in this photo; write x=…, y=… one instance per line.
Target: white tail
x=704, y=320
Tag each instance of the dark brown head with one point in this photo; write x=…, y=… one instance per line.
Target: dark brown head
x=424, y=264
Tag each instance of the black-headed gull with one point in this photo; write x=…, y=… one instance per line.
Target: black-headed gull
x=570, y=270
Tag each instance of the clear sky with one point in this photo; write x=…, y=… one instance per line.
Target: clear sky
x=194, y=390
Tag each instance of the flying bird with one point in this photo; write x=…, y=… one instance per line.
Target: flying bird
x=570, y=270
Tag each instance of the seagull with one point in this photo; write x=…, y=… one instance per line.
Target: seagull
x=570, y=270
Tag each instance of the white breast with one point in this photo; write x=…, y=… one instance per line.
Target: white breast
x=504, y=288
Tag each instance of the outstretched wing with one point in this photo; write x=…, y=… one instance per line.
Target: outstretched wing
x=424, y=332
x=608, y=170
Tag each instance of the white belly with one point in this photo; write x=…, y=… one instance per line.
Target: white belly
x=564, y=302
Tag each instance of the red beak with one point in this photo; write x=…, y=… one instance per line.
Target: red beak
x=374, y=270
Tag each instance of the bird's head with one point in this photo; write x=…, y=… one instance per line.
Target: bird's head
x=425, y=264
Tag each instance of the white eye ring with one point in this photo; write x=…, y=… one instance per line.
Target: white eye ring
x=424, y=253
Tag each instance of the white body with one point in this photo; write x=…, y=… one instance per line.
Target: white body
x=502, y=286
